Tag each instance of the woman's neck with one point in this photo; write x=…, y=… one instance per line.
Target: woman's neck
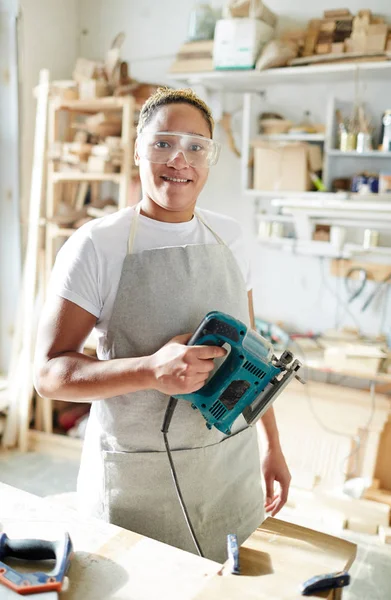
x=152, y=210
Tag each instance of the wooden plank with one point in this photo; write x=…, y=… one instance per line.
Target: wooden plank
x=354, y=509
x=276, y=559
x=20, y=410
x=112, y=562
x=385, y=534
x=379, y=495
x=375, y=272
x=127, y=140
x=383, y=465
x=362, y=526
x=80, y=176
x=334, y=14
x=52, y=191
x=54, y=444
x=382, y=378
x=329, y=419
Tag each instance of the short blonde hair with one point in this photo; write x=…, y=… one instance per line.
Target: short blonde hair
x=164, y=96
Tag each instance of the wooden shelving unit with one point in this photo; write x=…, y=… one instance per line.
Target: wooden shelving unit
x=58, y=109
x=90, y=177
x=252, y=81
x=335, y=162
x=61, y=115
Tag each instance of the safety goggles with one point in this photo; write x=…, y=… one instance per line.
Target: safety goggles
x=163, y=146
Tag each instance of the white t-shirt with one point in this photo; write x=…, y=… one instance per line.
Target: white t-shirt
x=88, y=267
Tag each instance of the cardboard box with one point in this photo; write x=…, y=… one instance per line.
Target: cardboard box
x=65, y=89
x=385, y=183
x=337, y=48
x=93, y=88
x=237, y=42
x=284, y=166
x=323, y=48
x=194, y=57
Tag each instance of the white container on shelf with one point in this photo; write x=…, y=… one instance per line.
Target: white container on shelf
x=237, y=42
x=337, y=236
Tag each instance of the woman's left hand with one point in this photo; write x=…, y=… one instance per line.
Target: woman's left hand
x=274, y=469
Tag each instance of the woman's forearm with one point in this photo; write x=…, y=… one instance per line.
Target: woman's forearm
x=270, y=428
x=76, y=377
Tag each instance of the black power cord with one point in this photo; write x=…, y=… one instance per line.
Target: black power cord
x=166, y=424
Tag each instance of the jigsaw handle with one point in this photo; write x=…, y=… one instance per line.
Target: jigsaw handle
x=217, y=329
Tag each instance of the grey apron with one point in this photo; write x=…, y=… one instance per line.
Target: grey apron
x=124, y=476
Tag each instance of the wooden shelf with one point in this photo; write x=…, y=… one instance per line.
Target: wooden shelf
x=93, y=105
x=56, y=231
x=55, y=444
x=253, y=80
x=319, y=365
x=355, y=249
x=71, y=176
x=288, y=194
x=335, y=204
x=319, y=248
x=304, y=247
x=355, y=154
x=292, y=137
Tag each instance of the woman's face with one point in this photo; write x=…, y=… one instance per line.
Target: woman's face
x=163, y=198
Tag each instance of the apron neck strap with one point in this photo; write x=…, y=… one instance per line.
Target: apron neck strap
x=135, y=221
x=218, y=238
x=133, y=228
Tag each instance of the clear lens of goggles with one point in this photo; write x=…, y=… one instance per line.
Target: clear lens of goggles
x=162, y=147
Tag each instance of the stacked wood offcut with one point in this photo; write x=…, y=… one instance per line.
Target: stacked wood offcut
x=84, y=136
x=102, y=78
x=340, y=35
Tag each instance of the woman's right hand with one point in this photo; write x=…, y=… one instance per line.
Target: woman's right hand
x=180, y=369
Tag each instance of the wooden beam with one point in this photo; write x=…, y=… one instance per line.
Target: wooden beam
x=21, y=386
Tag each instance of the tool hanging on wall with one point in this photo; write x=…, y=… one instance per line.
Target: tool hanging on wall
x=226, y=123
x=377, y=291
x=352, y=289
x=363, y=276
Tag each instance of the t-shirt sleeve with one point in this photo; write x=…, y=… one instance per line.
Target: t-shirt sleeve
x=75, y=275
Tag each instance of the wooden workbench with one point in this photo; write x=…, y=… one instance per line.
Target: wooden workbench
x=113, y=563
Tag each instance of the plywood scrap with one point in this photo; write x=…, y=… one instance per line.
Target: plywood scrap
x=112, y=59
x=378, y=495
x=350, y=509
x=362, y=526
x=336, y=13
x=66, y=89
x=104, y=124
x=99, y=164
x=86, y=69
x=92, y=211
x=385, y=534
x=93, y=88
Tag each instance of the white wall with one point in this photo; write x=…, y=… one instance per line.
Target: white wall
x=286, y=288
x=48, y=38
x=9, y=198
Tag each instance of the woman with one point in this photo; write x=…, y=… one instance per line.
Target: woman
x=144, y=278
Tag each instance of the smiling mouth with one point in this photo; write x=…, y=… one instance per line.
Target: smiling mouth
x=175, y=179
